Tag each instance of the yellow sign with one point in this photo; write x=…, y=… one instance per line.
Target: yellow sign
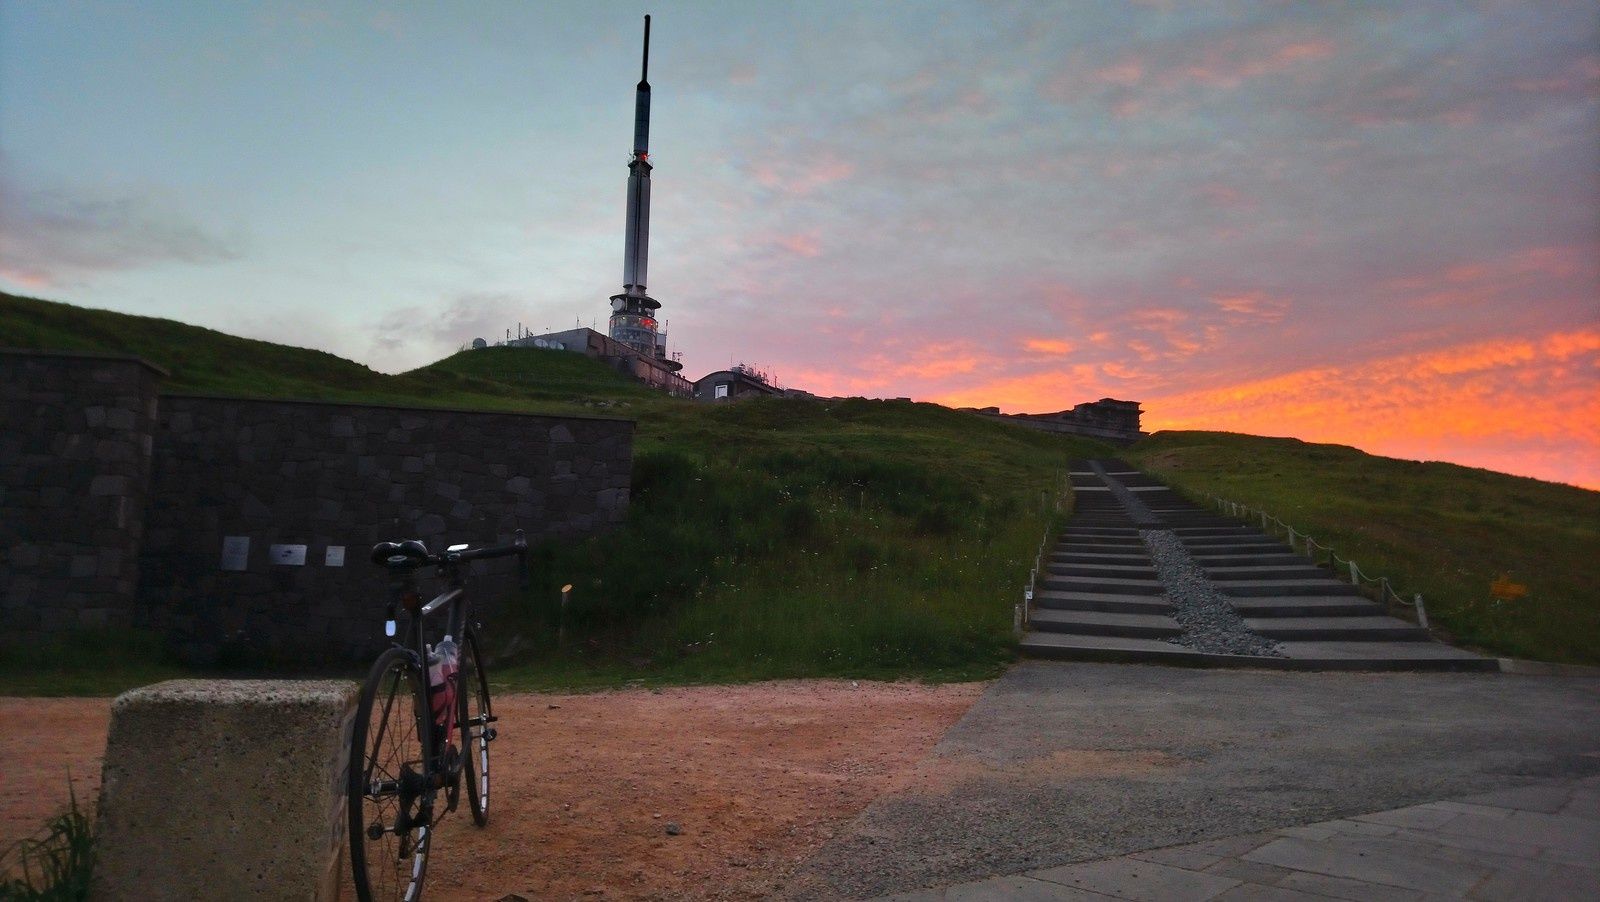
x=1506, y=590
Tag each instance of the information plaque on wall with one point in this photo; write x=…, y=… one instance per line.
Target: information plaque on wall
x=235, y=552
x=334, y=557
x=288, y=555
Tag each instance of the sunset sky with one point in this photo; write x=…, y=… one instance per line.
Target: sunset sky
x=1368, y=223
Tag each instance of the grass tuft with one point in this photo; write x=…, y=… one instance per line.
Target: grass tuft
x=54, y=867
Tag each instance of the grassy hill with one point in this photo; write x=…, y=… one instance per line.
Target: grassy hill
x=788, y=537
x=1440, y=529
x=773, y=537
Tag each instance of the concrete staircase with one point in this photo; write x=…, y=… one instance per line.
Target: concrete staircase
x=1099, y=598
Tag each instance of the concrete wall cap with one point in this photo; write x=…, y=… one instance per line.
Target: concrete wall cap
x=261, y=693
x=86, y=355
x=246, y=399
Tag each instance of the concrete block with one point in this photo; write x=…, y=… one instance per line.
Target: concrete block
x=225, y=789
x=108, y=485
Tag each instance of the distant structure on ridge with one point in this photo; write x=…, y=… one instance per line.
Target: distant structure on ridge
x=1107, y=418
x=633, y=312
x=636, y=345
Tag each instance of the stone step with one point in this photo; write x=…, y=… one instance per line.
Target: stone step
x=1306, y=606
x=1185, y=532
x=1397, y=656
x=1115, y=532
x=1260, y=573
x=1095, y=571
x=1101, y=584
x=1101, y=601
x=1213, y=549
x=1287, y=588
x=1337, y=629
x=1102, y=623
x=1264, y=558
x=1107, y=542
x=1243, y=538
x=1384, y=656
x=1071, y=647
x=1099, y=557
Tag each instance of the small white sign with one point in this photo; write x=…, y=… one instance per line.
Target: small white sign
x=288, y=555
x=334, y=557
x=235, y=552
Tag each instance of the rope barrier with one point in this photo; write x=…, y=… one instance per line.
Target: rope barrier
x=1385, y=589
x=1021, y=615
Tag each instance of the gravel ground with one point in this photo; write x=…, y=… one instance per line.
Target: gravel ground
x=751, y=779
x=1209, y=623
x=1065, y=762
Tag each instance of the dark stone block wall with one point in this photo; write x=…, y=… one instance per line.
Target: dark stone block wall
x=119, y=507
x=347, y=476
x=75, y=448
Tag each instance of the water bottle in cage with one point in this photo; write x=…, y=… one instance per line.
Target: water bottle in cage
x=443, y=661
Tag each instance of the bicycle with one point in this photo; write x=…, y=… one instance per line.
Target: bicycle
x=402, y=750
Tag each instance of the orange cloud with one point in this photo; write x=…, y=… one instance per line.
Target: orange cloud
x=1048, y=346
x=1254, y=305
x=1526, y=406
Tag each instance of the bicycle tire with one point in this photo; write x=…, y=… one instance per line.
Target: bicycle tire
x=477, y=727
x=389, y=748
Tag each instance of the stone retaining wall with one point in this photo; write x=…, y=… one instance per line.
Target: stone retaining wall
x=75, y=449
x=313, y=477
x=227, y=523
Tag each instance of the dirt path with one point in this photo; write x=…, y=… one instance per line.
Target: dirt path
x=756, y=777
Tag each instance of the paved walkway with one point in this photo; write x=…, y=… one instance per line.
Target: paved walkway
x=1059, y=764
x=1536, y=842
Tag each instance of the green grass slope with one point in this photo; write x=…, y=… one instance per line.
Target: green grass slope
x=1440, y=529
x=772, y=537
x=206, y=361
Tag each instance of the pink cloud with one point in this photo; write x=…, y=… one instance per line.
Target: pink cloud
x=1048, y=346
x=801, y=244
x=802, y=179
x=1254, y=305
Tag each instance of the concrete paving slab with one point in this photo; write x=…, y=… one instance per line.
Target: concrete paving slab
x=1255, y=892
x=1002, y=889
x=1379, y=861
x=1341, y=888
x=1511, y=885
x=1585, y=803
x=1418, y=816
x=1201, y=855
x=1548, y=799
x=1248, y=871
x=1126, y=878
x=1465, y=808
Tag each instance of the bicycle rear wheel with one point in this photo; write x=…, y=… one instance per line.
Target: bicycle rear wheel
x=390, y=799
x=477, y=728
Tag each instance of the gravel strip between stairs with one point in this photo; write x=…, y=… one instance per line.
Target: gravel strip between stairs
x=1142, y=515
x=1209, y=623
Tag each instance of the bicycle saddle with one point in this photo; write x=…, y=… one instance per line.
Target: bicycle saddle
x=395, y=554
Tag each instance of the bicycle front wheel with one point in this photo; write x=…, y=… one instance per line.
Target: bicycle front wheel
x=391, y=794
x=477, y=728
